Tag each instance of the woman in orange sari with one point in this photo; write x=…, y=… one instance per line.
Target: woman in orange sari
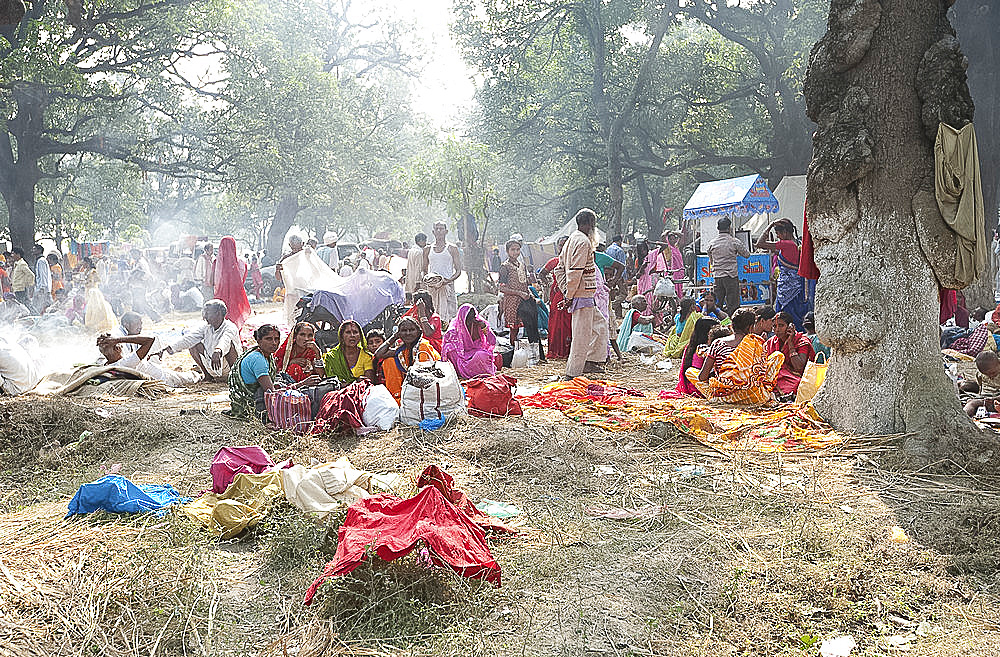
x=298, y=356
x=397, y=354
x=737, y=369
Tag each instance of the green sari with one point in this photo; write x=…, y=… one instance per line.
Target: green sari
x=335, y=360
x=243, y=395
x=677, y=343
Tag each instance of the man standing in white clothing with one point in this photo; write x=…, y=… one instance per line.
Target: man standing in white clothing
x=204, y=272
x=415, y=264
x=444, y=266
x=215, y=345
x=43, y=280
x=328, y=252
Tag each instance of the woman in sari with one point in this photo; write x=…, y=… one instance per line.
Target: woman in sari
x=57, y=273
x=230, y=276
x=429, y=321
x=694, y=355
x=350, y=360
x=791, y=291
x=684, y=321
x=257, y=277
x=796, y=348
x=560, y=321
x=656, y=265
x=469, y=343
x=676, y=262
x=99, y=316
x=253, y=374
x=298, y=356
x=405, y=347
x=736, y=369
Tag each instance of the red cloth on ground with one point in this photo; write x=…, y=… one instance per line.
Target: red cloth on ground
x=438, y=478
x=807, y=263
x=342, y=409
x=230, y=274
x=560, y=321
x=390, y=527
x=229, y=461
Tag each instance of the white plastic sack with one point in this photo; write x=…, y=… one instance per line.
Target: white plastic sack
x=381, y=410
x=442, y=398
x=331, y=486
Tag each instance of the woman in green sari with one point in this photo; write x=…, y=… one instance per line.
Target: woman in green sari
x=684, y=322
x=350, y=359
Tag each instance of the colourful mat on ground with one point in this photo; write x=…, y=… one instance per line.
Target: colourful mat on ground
x=615, y=407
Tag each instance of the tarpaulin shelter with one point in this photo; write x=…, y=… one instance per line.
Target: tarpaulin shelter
x=791, y=196
x=539, y=252
x=738, y=198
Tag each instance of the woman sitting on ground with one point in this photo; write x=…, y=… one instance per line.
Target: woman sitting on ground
x=809, y=328
x=350, y=360
x=405, y=347
x=694, y=354
x=685, y=319
x=469, y=343
x=709, y=307
x=796, y=348
x=429, y=321
x=736, y=369
x=298, y=357
x=255, y=373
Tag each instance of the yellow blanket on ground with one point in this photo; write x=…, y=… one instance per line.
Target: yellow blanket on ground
x=771, y=428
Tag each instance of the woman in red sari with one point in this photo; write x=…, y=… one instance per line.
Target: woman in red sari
x=230, y=274
x=560, y=322
x=299, y=356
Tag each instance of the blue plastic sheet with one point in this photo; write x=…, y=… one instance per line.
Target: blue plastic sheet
x=117, y=494
x=432, y=425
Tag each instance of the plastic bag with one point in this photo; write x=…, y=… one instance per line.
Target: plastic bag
x=381, y=410
x=812, y=379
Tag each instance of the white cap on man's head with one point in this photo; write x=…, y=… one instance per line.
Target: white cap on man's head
x=329, y=237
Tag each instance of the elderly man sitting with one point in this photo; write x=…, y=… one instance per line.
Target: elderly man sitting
x=111, y=351
x=215, y=345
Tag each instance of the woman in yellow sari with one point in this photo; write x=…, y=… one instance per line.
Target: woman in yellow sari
x=737, y=370
x=684, y=322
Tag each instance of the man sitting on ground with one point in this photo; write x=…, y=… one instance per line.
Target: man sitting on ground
x=112, y=353
x=215, y=345
x=18, y=372
x=987, y=383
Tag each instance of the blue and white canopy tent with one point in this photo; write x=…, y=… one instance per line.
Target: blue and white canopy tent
x=741, y=199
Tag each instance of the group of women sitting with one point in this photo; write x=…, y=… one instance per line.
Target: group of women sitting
x=737, y=365
x=298, y=364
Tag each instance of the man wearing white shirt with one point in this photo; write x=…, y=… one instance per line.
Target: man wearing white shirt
x=328, y=252
x=204, y=272
x=415, y=264
x=43, y=280
x=112, y=352
x=18, y=372
x=215, y=345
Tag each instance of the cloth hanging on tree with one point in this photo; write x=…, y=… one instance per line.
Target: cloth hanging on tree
x=959, y=193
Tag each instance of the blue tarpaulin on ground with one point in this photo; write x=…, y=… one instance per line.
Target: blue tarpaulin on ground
x=117, y=494
x=745, y=196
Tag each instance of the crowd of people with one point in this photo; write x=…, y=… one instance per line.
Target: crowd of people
x=593, y=302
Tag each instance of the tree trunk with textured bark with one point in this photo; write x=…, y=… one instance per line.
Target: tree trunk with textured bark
x=879, y=82
x=284, y=218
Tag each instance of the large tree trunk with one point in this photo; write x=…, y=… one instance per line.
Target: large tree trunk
x=19, y=172
x=879, y=82
x=284, y=218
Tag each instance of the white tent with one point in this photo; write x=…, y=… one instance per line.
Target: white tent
x=565, y=231
x=791, y=195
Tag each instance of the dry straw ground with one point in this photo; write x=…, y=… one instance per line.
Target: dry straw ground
x=757, y=555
